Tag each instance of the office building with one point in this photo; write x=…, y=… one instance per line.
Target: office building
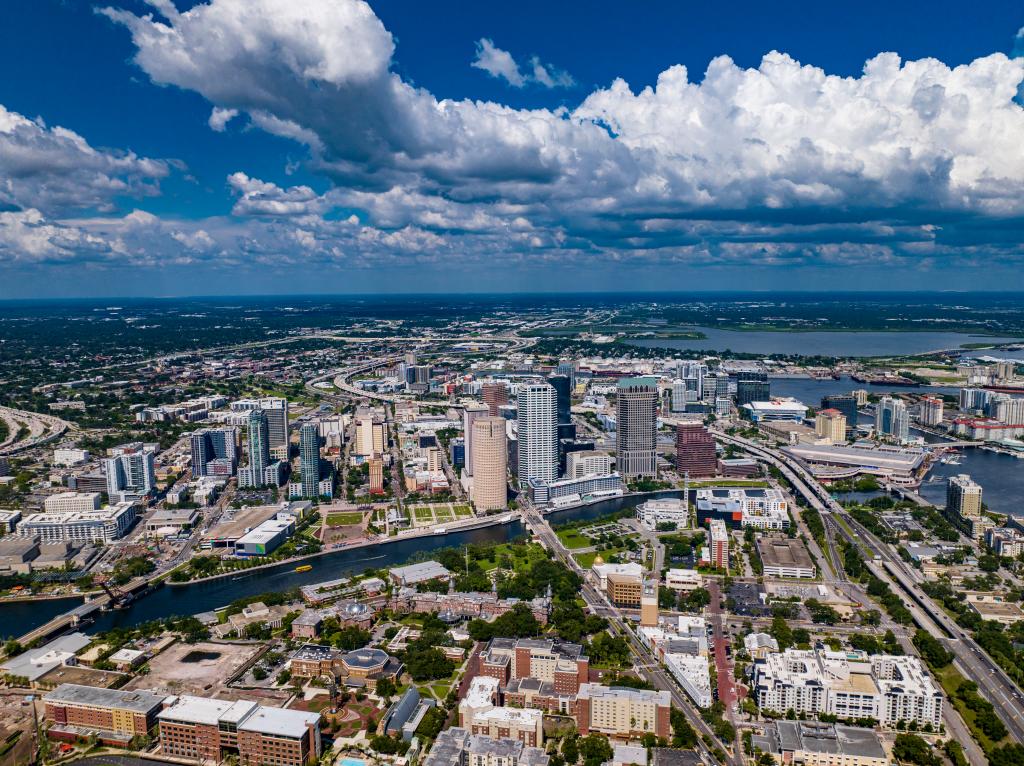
x=846, y=404
x=458, y=747
x=848, y=684
x=892, y=419
x=718, y=544
x=130, y=471
x=930, y=411
x=72, y=502
x=537, y=433
x=276, y=410
x=963, y=497
x=785, y=557
x=457, y=453
x=636, y=427
x=200, y=728
x=371, y=436
x=112, y=715
x=309, y=460
x=470, y=416
x=99, y=525
x=622, y=713
x=68, y=456
x=674, y=511
x=587, y=463
x=376, y=475
x=563, y=405
x=748, y=391
x=683, y=579
x=695, y=450
x=811, y=743
x=831, y=424
x=495, y=396
x=787, y=409
x=490, y=460
x=257, y=451
x=214, y=451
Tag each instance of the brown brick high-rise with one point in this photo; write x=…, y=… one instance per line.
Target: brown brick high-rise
x=695, y=450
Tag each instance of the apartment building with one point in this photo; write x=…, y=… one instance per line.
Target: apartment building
x=112, y=715
x=198, y=728
x=620, y=712
x=459, y=747
x=560, y=663
x=481, y=713
x=849, y=685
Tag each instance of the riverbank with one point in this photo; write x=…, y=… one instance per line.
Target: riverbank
x=467, y=525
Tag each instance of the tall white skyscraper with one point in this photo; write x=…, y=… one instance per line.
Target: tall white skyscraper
x=130, y=471
x=537, y=433
x=892, y=419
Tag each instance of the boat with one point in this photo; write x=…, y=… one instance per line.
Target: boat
x=440, y=531
x=303, y=568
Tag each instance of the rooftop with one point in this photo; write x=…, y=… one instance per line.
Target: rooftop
x=205, y=710
x=279, y=722
x=91, y=696
x=784, y=552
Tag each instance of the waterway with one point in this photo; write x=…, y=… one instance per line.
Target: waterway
x=18, y=618
x=842, y=344
x=811, y=390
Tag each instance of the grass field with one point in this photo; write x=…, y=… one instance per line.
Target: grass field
x=586, y=560
x=343, y=519
x=572, y=539
x=439, y=513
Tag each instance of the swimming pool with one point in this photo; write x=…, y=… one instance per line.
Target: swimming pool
x=352, y=762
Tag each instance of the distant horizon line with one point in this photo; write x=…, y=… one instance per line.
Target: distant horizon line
x=515, y=294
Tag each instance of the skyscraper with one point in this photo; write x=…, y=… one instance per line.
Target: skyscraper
x=537, y=433
x=748, y=391
x=963, y=497
x=214, y=451
x=490, y=461
x=636, y=424
x=831, y=424
x=695, y=450
x=309, y=459
x=563, y=397
x=469, y=416
x=892, y=419
x=846, y=404
x=494, y=395
x=930, y=410
x=257, y=451
x=276, y=410
x=130, y=470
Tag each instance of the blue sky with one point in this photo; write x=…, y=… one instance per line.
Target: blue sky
x=249, y=146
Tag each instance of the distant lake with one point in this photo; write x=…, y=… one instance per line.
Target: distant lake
x=823, y=343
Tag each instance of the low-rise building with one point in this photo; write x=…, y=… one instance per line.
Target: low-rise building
x=756, y=507
x=458, y=747
x=671, y=510
x=785, y=557
x=1005, y=541
x=821, y=744
x=622, y=713
x=424, y=571
x=990, y=606
x=480, y=713
x=100, y=525
x=760, y=645
x=683, y=579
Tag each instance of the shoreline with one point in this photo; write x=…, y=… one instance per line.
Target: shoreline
x=478, y=523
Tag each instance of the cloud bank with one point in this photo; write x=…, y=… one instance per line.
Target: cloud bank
x=911, y=161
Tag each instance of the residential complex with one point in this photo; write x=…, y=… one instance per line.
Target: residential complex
x=113, y=716
x=620, y=712
x=848, y=684
x=760, y=508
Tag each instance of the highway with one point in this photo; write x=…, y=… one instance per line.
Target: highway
x=992, y=681
x=647, y=664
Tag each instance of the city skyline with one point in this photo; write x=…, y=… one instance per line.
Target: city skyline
x=152, y=149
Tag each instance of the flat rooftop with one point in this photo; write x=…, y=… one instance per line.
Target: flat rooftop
x=279, y=722
x=784, y=552
x=91, y=696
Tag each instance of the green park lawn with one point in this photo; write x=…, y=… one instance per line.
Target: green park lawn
x=344, y=519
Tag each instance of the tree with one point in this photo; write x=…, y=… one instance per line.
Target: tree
x=386, y=688
x=425, y=664
x=595, y=749
x=781, y=632
x=910, y=748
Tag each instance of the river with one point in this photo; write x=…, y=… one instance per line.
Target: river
x=20, y=617
x=840, y=343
